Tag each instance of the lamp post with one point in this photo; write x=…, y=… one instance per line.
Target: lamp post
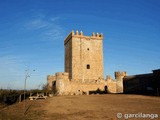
x=27, y=74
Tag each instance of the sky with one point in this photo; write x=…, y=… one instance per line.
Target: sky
x=32, y=34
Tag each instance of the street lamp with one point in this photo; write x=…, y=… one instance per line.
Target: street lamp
x=27, y=74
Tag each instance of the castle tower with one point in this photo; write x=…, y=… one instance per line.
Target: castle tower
x=120, y=75
x=84, y=56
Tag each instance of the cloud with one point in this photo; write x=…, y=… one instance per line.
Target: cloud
x=15, y=53
x=53, y=33
x=37, y=24
x=48, y=28
x=9, y=63
x=54, y=19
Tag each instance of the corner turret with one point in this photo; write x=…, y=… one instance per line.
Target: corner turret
x=120, y=75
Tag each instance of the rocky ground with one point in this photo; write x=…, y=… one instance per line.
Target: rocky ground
x=92, y=107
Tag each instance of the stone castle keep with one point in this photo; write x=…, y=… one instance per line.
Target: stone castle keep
x=84, y=72
x=84, y=57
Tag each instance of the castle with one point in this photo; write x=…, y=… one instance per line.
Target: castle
x=84, y=72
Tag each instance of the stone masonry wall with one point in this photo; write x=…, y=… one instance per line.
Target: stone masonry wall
x=84, y=68
x=84, y=56
x=65, y=86
x=50, y=79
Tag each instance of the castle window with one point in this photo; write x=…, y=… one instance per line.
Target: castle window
x=88, y=49
x=88, y=66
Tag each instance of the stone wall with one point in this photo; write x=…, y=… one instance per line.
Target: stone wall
x=119, y=80
x=66, y=86
x=84, y=68
x=84, y=56
x=50, y=80
x=116, y=85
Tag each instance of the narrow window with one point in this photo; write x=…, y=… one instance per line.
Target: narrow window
x=88, y=66
x=88, y=49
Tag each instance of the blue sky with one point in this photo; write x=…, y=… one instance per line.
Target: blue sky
x=32, y=34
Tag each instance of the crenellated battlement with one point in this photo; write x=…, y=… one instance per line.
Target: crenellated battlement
x=97, y=35
x=62, y=75
x=50, y=77
x=120, y=74
x=108, y=77
x=81, y=35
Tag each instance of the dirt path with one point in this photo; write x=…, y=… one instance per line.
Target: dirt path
x=92, y=107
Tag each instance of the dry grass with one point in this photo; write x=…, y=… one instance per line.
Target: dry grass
x=93, y=107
